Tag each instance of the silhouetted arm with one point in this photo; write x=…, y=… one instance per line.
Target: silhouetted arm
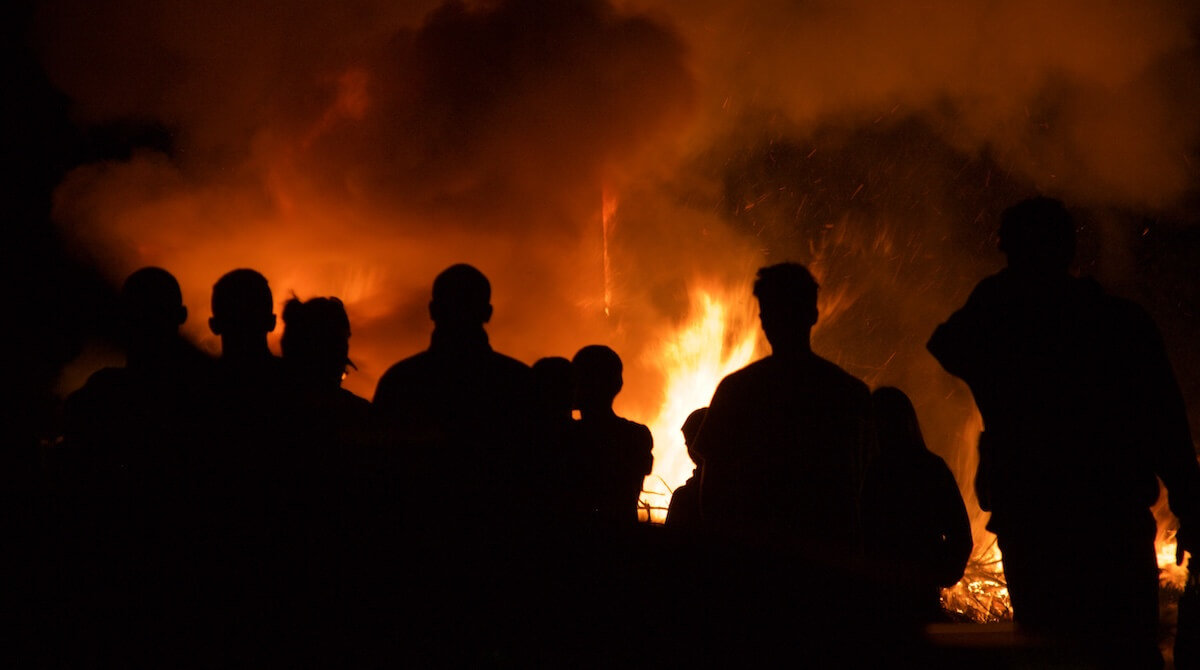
x=646, y=449
x=961, y=344
x=1166, y=419
x=956, y=527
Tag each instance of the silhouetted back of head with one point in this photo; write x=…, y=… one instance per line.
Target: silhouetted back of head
x=787, y=301
x=896, y=421
x=461, y=298
x=691, y=429
x=691, y=425
x=151, y=305
x=552, y=383
x=597, y=370
x=1038, y=235
x=242, y=304
x=316, y=339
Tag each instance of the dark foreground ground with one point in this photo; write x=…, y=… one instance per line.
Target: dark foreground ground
x=96, y=594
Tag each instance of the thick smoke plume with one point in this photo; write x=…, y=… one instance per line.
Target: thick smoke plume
x=357, y=148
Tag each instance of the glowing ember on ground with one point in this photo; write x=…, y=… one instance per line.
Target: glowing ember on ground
x=982, y=594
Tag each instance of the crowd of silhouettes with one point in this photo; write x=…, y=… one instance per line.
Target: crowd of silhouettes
x=225, y=503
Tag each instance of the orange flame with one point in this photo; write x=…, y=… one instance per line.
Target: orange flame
x=719, y=336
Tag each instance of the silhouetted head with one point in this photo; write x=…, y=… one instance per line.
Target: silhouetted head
x=787, y=303
x=1038, y=235
x=597, y=371
x=151, y=306
x=242, y=309
x=553, y=386
x=461, y=298
x=316, y=339
x=895, y=421
x=691, y=429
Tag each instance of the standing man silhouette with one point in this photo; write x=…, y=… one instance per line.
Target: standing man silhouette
x=786, y=438
x=1081, y=410
x=460, y=411
x=617, y=453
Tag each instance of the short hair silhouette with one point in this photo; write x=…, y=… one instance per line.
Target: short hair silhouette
x=893, y=409
x=691, y=426
x=787, y=296
x=461, y=297
x=597, y=374
x=316, y=337
x=1038, y=234
x=151, y=301
x=242, y=303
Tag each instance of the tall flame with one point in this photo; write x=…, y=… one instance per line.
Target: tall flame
x=718, y=336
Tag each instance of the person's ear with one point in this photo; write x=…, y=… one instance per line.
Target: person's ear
x=214, y=324
x=181, y=315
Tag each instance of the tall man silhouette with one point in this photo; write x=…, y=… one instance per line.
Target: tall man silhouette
x=616, y=453
x=1081, y=410
x=251, y=390
x=460, y=412
x=785, y=439
x=134, y=423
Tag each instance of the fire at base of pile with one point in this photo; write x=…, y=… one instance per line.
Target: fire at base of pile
x=981, y=596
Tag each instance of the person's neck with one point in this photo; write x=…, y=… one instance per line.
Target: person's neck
x=795, y=345
x=597, y=412
x=459, y=337
x=151, y=355
x=244, y=350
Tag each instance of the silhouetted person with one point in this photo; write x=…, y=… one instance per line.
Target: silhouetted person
x=243, y=314
x=250, y=399
x=460, y=419
x=132, y=431
x=326, y=423
x=461, y=412
x=316, y=350
x=250, y=465
x=615, y=452
x=914, y=521
x=786, y=438
x=326, y=428
x=1081, y=411
x=131, y=425
x=684, y=509
x=554, y=398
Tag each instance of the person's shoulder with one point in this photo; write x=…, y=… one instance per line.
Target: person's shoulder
x=402, y=373
x=101, y=383
x=750, y=373
x=1116, y=312
x=834, y=375
x=414, y=364
x=634, y=428
x=351, y=404
x=509, y=364
x=107, y=377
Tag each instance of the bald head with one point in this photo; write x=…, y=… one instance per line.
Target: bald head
x=461, y=298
